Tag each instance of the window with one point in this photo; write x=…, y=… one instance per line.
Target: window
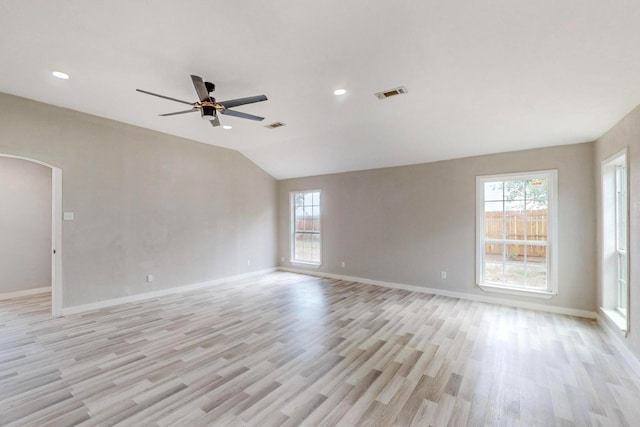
x=516, y=228
x=615, y=254
x=621, y=237
x=305, y=227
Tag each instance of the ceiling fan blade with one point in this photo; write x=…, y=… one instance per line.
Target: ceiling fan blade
x=215, y=122
x=179, y=112
x=165, y=97
x=201, y=89
x=242, y=115
x=242, y=101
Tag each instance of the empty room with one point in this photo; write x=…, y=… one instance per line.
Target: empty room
x=295, y=213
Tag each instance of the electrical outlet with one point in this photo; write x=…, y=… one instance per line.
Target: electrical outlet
x=443, y=274
x=149, y=278
x=342, y=264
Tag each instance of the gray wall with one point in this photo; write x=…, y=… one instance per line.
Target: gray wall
x=407, y=224
x=25, y=225
x=144, y=202
x=625, y=134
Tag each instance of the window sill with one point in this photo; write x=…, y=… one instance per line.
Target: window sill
x=517, y=291
x=306, y=264
x=616, y=318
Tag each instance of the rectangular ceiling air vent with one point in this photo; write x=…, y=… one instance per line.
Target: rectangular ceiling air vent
x=391, y=92
x=275, y=125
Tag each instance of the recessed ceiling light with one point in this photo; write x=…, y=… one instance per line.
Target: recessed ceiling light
x=339, y=92
x=227, y=127
x=60, y=75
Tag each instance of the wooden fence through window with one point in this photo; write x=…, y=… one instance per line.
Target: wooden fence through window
x=517, y=226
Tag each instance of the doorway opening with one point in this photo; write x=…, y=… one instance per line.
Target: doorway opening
x=56, y=233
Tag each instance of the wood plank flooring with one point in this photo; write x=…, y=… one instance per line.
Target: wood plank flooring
x=287, y=350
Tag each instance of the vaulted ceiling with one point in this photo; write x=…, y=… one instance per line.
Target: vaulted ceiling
x=482, y=76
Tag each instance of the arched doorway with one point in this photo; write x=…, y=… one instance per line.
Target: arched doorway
x=56, y=233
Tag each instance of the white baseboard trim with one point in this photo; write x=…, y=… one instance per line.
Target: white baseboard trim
x=461, y=295
x=66, y=311
x=25, y=293
x=618, y=340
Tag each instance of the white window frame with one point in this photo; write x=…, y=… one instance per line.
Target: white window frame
x=552, y=234
x=622, y=239
x=611, y=251
x=292, y=255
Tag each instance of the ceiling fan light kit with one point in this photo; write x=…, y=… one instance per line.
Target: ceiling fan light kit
x=208, y=106
x=208, y=112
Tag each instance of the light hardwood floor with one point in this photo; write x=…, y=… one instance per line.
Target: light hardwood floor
x=288, y=349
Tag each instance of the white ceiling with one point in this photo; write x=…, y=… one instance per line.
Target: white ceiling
x=482, y=76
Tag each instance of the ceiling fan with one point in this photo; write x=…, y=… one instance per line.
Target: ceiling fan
x=208, y=106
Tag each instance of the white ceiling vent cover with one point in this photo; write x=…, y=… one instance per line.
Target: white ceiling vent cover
x=275, y=125
x=391, y=92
